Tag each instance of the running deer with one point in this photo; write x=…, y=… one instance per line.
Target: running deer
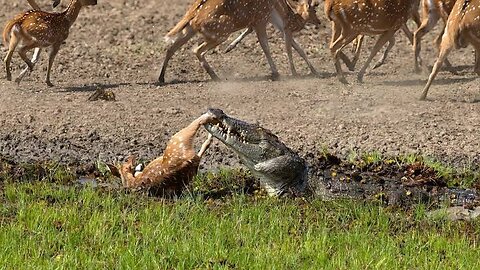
x=170, y=173
x=432, y=11
x=39, y=29
x=365, y=17
x=462, y=28
x=36, y=51
x=296, y=15
x=215, y=20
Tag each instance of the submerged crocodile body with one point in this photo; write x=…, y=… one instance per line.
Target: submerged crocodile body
x=279, y=168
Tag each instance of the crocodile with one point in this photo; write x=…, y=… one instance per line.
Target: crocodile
x=279, y=169
x=169, y=174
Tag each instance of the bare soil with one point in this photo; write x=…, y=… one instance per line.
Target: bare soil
x=118, y=45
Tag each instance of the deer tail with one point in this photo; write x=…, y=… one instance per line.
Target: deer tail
x=7, y=30
x=328, y=9
x=170, y=36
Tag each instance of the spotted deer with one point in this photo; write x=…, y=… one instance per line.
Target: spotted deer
x=296, y=15
x=351, y=18
x=432, y=11
x=40, y=29
x=170, y=173
x=36, y=51
x=215, y=20
x=462, y=28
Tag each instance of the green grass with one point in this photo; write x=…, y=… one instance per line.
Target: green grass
x=47, y=225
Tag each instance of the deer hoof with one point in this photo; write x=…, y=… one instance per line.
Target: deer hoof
x=49, y=83
x=161, y=80
x=343, y=80
x=360, y=78
x=9, y=77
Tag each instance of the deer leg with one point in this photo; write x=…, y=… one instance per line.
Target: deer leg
x=378, y=45
x=444, y=51
x=8, y=59
x=348, y=63
x=416, y=17
x=200, y=52
x=51, y=58
x=35, y=57
x=261, y=32
x=238, y=39
x=425, y=27
x=288, y=45
x=336, y=47
x=205, y=145
x=358, y=48
x=477, y=59
x=188, y=33
x=475, y=41
x=391, y=43
x=23, y=54
x=304, y=56
x=447, y=63
x=407, y=33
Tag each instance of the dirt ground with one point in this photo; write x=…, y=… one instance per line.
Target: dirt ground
x=118, y=45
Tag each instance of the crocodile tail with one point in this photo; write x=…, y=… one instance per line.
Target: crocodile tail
x=170, y=36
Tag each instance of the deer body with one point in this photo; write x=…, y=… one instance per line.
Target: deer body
x=351, y=18
x=215, y=20
x=462, y=28
x=295, y=15
x=39, y=29
x=170, y=173
x=432, y=11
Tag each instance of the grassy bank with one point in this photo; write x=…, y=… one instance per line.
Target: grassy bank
x=47, y=225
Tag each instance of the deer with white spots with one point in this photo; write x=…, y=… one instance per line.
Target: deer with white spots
x=36, y=51
x=215, y=20
x=462, y=28
x=351, y=18
x=170, y=173
x=296, y=15
x=432, y=11
x=40, y=29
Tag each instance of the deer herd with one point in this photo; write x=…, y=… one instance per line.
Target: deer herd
x=216, y=20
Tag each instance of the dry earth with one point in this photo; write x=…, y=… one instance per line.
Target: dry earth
x=118, y=45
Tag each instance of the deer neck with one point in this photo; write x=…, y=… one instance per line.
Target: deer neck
x=72, y=11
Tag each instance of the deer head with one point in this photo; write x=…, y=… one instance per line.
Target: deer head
x=308, y=10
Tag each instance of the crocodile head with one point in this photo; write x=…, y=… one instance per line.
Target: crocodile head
x=277, y=166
